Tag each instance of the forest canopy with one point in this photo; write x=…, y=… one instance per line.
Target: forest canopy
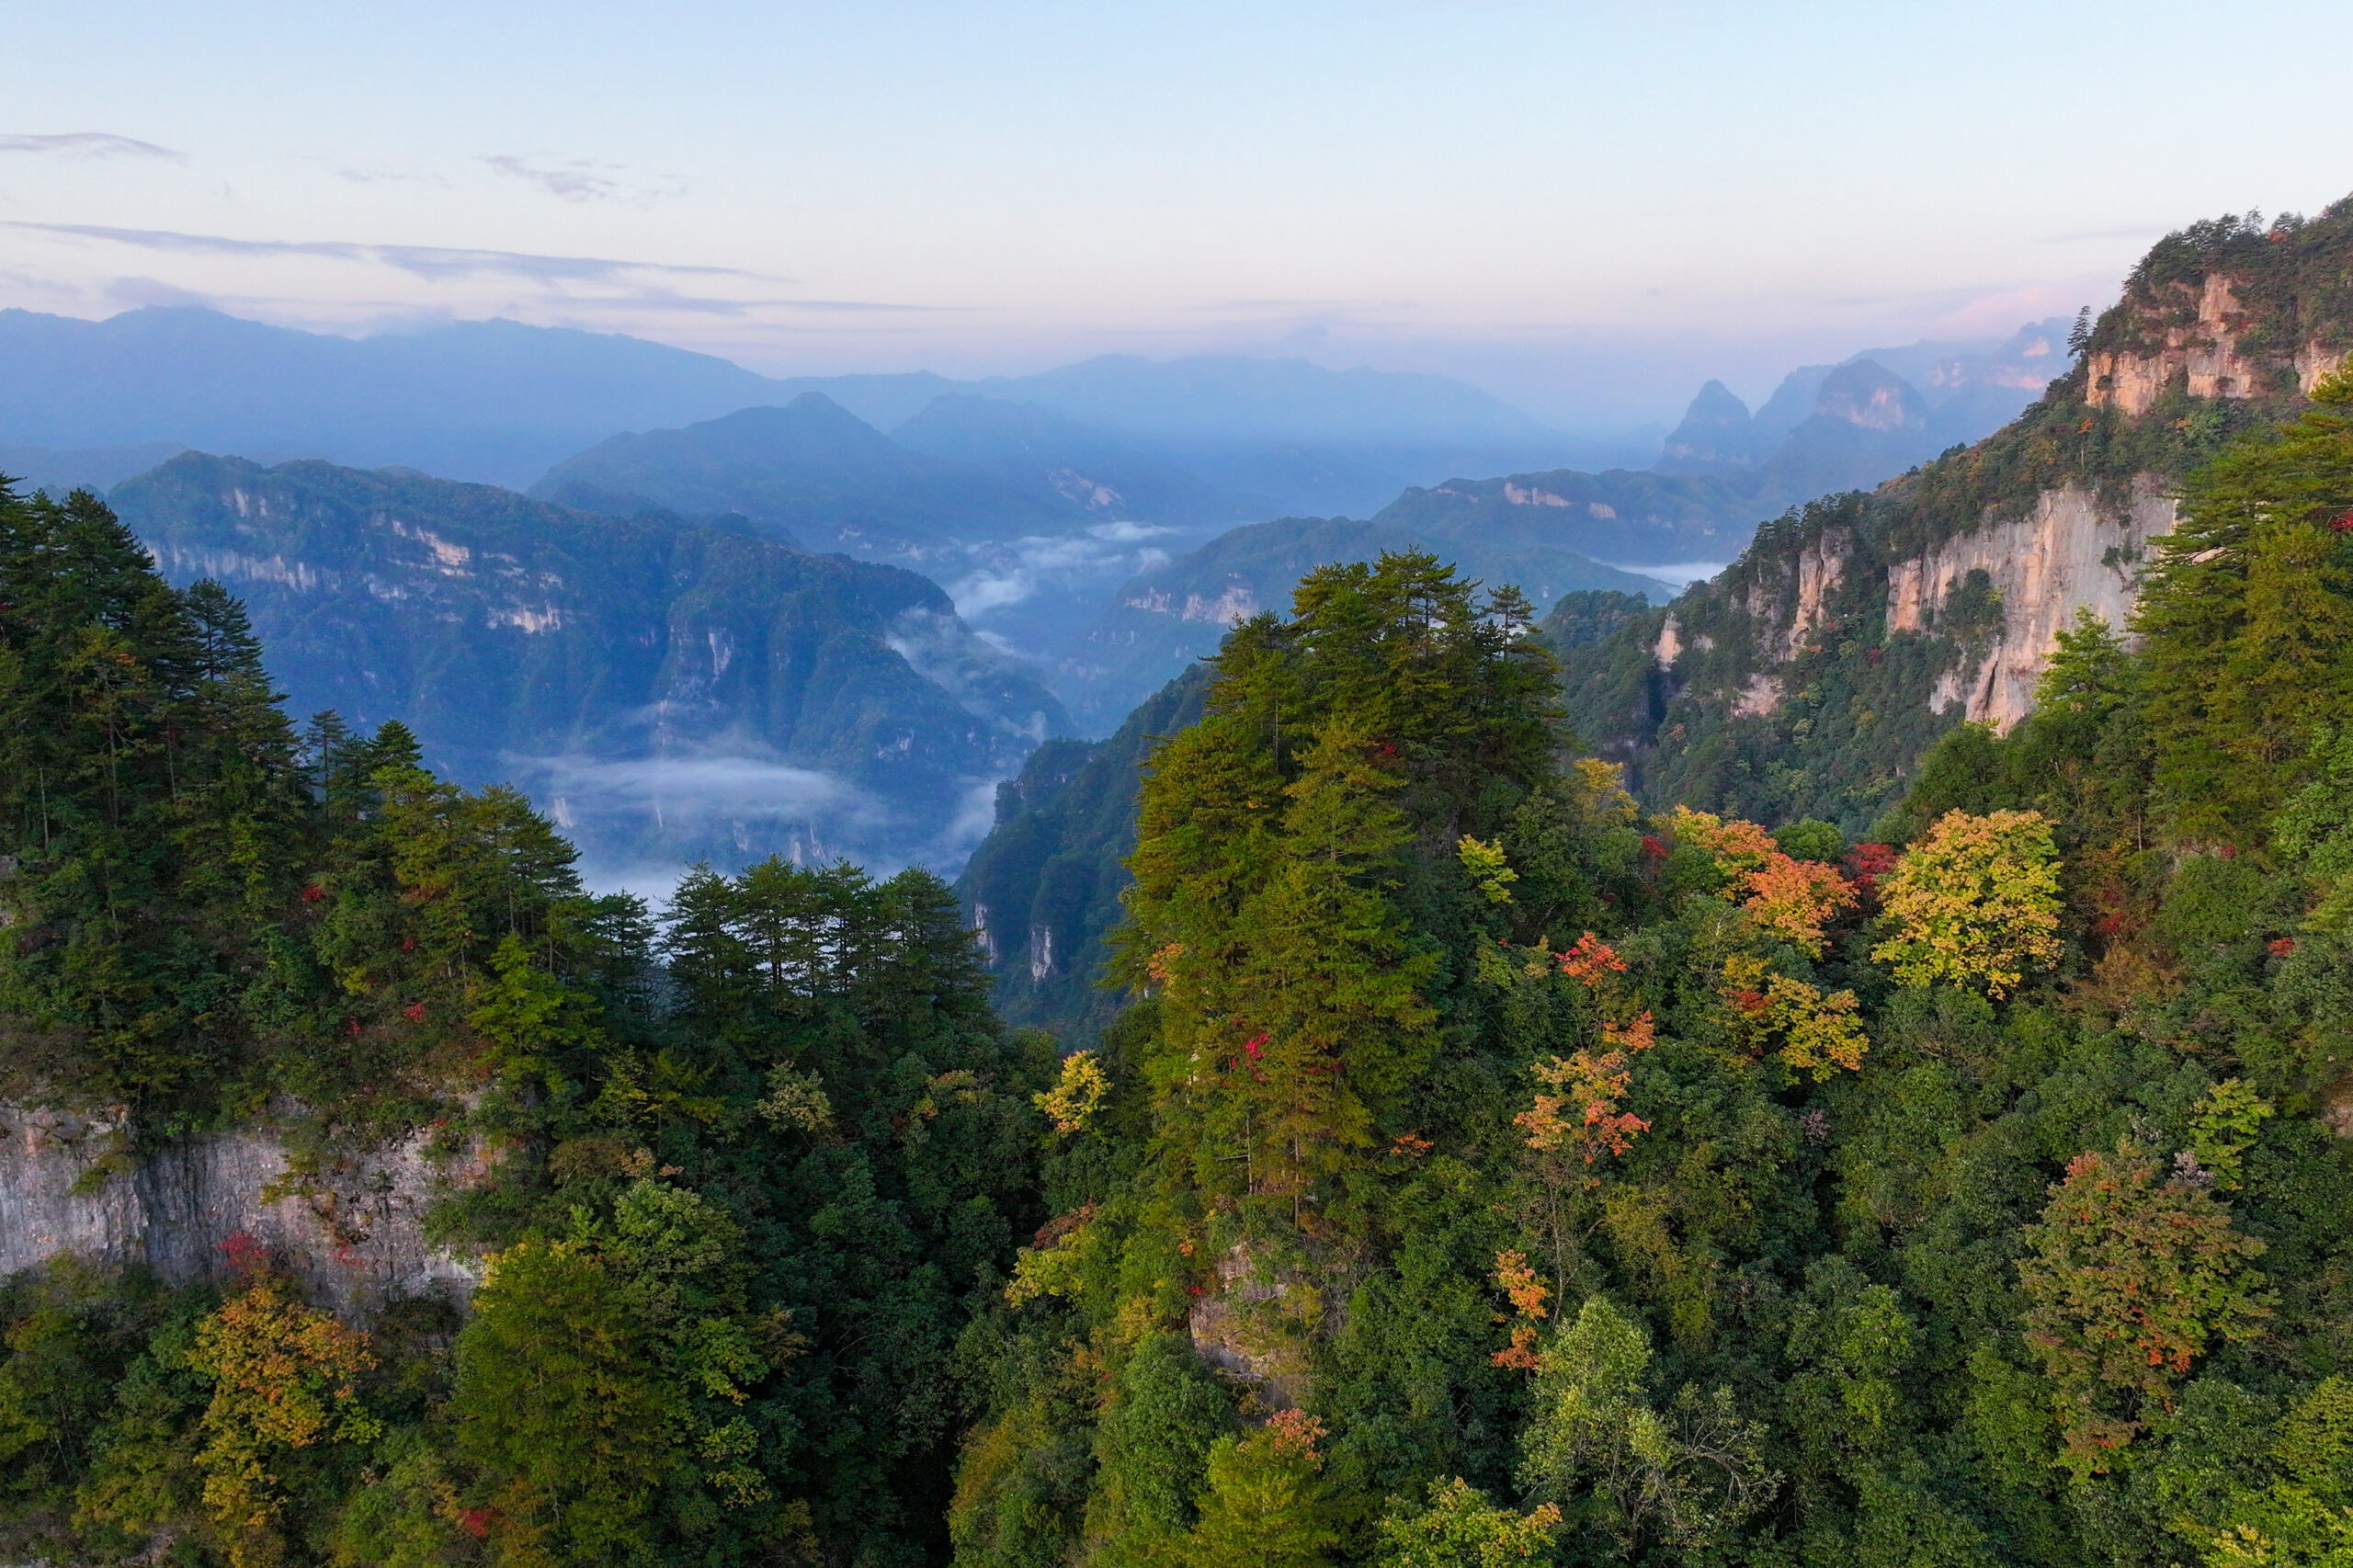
x=1480, y=1171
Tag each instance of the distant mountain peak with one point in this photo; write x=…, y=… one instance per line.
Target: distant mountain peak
x=1716, y=404
x=1717, y=433
x=1869, y=396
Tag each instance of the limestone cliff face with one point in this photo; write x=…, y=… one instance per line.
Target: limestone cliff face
x=2067, y=555
x=355, y=1234
x=1811, y=676
x=1789, y=603
x=2205, y=350
x=1787, y=606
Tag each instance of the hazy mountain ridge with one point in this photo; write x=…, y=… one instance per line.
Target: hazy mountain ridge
x=490, y=399
x=1808, y=678
x=1060, y=462
x=815, y=469
x=669, y=689
x=1620, y=514
x=1169, y=615
x=500, y=402
x=1827, y=427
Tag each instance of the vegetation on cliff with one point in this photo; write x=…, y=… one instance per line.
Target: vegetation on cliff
x=740, y=1179
x=674, y=688
x=1759, y=714
x=1496, y=1176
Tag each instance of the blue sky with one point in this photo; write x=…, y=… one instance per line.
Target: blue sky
x=1585, y=207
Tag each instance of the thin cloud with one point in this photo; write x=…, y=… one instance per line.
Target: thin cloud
x=88, y=145
x=135, y=292
x=434, y=262
x=388, y=176
x=577, y=179
x=441, y=263
x=705, y=304
x=1334, y=307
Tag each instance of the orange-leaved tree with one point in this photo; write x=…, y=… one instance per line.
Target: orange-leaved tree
x=1518, y=1281
x=1793, y=899
x=1583, y=1115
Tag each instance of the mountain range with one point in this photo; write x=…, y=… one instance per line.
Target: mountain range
x=1809, y=678
x=669, y=689
x=1849, y=634
x=500, y=402
x=1026, y=556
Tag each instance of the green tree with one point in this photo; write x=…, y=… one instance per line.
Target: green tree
x=1457, y=1527
x=562, y=1408
x=147, y=790
x=1265, y=1505
x=1154, y=1440
x=2246, y=620
x=2128, y=1280
x=2305, y=1518
x=1596, y=1445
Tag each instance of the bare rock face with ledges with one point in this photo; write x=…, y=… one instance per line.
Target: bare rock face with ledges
x=353, y=1233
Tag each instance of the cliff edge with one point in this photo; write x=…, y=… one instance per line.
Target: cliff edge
x=1807, y=678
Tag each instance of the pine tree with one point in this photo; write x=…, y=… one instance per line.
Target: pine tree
x=2247, y=620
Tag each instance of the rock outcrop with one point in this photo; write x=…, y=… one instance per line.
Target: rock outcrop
x=1253, y=1328
x=353, y=1233
x=2204, y=351
x=2067, y=554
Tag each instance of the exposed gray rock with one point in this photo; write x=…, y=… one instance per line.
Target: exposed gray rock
x=354, y=1234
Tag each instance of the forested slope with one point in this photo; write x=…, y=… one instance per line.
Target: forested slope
x=1169, y=615
x=1044, y=888
x=1483, y=1170
x=672, y=688
x=1487, y=1173
x=1809, y=678
x=730, y=1188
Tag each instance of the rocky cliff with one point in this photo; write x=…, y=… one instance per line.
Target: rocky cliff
x=2068, y=554
x=1809, y=677
x=352, y=1227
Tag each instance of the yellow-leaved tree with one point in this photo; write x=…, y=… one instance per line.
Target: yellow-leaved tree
x=1974, y=903
x=284, y=1377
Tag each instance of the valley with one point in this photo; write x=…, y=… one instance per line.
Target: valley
x=1094, y=531
x=1203, y=961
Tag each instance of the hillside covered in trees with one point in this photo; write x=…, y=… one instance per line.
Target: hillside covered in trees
x=670, y=689
x=1809, y=678
x=1483, y=1169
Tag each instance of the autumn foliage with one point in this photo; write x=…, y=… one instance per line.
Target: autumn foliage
x=1793, y=899
x=1975, y=904
x=2130, y=1279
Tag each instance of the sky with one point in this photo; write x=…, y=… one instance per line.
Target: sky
x=1587, y=208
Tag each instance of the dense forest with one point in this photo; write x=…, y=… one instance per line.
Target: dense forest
x=1483, y=1170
